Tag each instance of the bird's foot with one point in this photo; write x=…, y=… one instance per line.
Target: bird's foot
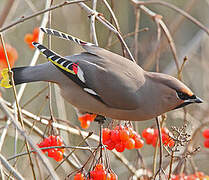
x=100, y=119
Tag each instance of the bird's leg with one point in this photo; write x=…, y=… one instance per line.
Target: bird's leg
x=100, y=119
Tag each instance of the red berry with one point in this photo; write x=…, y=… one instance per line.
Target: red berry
x=79, y=176
x=154, y=141
x=47, y=142
x=113, y=176
x=199, y=174
x=110, y=144
x=53, y=140
x=148, y=135
x=165, y=139
x=171, y=143
x=106, y=134
x=155, y=132
x=206, y=133
x=206, y=143
x=119, y=127
x=93, y=174
x=99, y=167
x=120, y=147
x=36, y=34
x=52, y=153
x=147, y=132
x=130, y=144
x=100, y=175
x=28, y=38
x=108, y=176
x=115, y=137
x=124, y=135
x=85, y=124
x=59, y=156
x=139, y=143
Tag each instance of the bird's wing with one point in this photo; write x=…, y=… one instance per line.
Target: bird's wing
x=69, y=68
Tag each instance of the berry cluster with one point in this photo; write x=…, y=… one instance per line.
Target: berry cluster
x=98, y=173
x=120, y=138
x=196, y=176
x=206, y=136
x=86, y=119
x=56, y=153
x=29, y=38
x=12, y=56
x=151, y=135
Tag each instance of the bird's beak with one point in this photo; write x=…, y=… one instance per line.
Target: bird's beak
x=198, y=100
x=190, y=101
x=195, y=100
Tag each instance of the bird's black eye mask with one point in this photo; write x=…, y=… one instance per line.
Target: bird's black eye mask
x=184, y=96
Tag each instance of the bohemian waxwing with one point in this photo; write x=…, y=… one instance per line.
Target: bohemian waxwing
x=104, y=83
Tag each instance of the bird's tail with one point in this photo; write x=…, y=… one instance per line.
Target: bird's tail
x=66, y=36
x=5, y=82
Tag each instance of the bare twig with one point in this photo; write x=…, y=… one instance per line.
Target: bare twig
x=52, y=147
x=185, y=14
x=160, y=170
x=126, y=36
x=16, y=100
x=6, y=11
x=100, y=18
x=30, y=141
x=137, y=12
x=158, y=18
x=23, y=19
x=92, y=23
x=112, y=15
x=174, y=26
x=12, y=170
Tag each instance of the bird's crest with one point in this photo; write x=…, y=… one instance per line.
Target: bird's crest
x=66, y=36
x=5, y=82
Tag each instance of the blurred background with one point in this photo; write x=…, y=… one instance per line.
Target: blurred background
x=190, y=40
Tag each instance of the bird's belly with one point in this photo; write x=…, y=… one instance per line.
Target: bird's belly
x=75, y=95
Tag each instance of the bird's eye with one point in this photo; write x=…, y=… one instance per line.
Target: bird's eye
x=184, y=96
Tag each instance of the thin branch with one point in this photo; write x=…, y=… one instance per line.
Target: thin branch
x=137, y=12
x=175, y=8
x=16, y=100
x=112, y=15
x=6, y=11
x=158, y=18
x=92, y=23
x=30, y=141
x=100, y=18
x=127, y=35
x=174, y=26
x=23, y=18
x=87, y=148
x=161, y=150
x=12, y=170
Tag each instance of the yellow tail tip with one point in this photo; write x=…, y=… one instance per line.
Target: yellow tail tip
x=5, y=82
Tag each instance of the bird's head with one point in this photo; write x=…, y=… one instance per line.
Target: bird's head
x=174, y=93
